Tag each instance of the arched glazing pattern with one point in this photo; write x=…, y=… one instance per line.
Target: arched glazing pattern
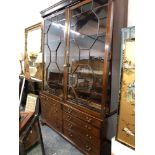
x=87, y=44
x=54, y=54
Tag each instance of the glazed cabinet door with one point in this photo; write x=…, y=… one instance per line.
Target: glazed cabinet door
x=54, y=53
x=88, y=23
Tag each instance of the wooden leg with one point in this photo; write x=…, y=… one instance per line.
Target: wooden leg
x=42, y=122
x=21, y=149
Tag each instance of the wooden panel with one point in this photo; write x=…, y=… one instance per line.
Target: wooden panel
x=56, y=123
x=83, y=126
x=45, y=106
x=80, y=142
x=120, y=21
x=51, y=112
x=87, y=118
x=32, y=137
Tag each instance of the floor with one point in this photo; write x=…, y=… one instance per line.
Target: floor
x=54, y=144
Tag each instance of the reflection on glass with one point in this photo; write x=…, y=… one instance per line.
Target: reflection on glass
x=87, y=55
x=54, y=54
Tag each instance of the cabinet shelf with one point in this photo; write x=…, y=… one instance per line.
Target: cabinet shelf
x=91, y=72
x=89, y=92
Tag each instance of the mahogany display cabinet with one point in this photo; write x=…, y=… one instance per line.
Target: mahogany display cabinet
x=77, y=57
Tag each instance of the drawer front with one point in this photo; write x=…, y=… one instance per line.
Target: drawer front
x=83, y=116
x=88, y=128
x=80, y=142
x=50, y=100
x=82, y=133
x=48, y=105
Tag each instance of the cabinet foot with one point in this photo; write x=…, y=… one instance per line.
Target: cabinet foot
x=42, y=122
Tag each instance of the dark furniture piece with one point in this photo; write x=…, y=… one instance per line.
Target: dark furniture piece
x=29, y=132
x=25, y=118
x=78, y=62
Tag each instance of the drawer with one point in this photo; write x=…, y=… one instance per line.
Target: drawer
x=83, y=133
x=91, y=130
x=81, y=143
x=50, y=107
x=83, y=116
x=50, y=100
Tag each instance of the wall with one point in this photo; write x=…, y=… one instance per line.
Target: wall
x=30, y=14
x=131, y=13
x=15, y=16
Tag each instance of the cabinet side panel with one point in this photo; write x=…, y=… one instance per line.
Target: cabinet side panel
x=120, y=21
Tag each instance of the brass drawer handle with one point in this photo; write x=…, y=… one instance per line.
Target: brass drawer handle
x=88, y=136
x=68, y=118
x=69, y=110
x=88, y=148
x=70, y=125
x=88, y=119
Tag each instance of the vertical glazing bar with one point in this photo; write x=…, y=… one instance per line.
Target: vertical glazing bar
x=108, y=39
x=67, y=46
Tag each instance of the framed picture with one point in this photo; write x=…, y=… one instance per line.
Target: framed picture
x=126, y=113
x=33, y=56
x=31, y=102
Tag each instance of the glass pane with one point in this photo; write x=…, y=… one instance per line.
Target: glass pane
x=54, y=54
x=98, y=3
x=87, y=41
